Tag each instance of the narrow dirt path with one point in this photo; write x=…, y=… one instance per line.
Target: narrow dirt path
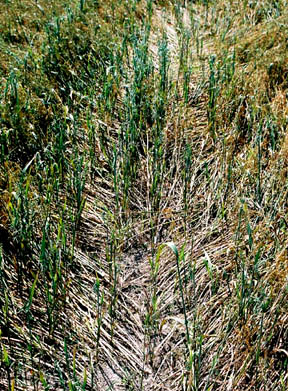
x=139, y=356
x=153, y=363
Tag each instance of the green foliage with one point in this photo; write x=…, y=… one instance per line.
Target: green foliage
x=125, y=125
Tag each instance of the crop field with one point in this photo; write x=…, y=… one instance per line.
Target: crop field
x=143, y=195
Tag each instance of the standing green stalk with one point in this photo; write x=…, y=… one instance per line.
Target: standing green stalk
x=179, y=258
